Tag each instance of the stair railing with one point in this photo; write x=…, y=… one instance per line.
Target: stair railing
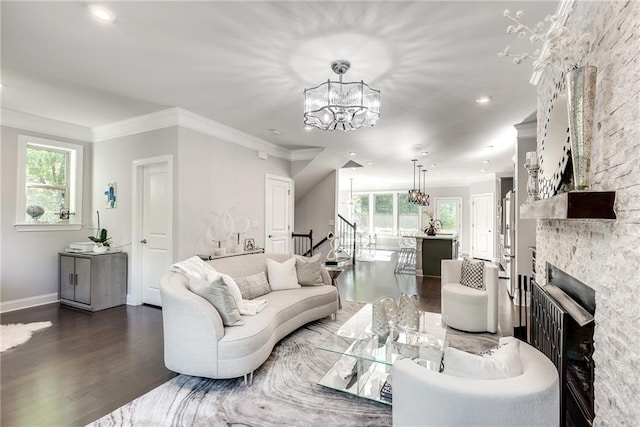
x=347, y=235
x=303, y=243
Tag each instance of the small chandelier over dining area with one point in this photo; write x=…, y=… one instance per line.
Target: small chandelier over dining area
x=344, y=106
x=417, y=196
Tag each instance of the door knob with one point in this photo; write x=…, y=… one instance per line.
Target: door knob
x=143, y=241
x=270, y=236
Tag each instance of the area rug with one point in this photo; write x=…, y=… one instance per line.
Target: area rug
x=284, y=392
x=16, y=334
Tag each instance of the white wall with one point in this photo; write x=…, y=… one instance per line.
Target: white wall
x=30, y=259
x=113, y=162
x=215, y=175
x=317, y=208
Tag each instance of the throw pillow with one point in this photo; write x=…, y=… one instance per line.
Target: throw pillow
x=218, y=294
x=473, y=274
x=309, y=270
x=282, y=275
x=213, y=274
x=253, y=286
x=499, y=362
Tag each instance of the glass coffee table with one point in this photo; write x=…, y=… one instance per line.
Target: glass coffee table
x=362, y=362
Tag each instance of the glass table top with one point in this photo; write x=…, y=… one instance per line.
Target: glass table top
x=355, y=338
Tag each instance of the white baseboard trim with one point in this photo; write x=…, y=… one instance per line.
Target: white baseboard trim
x=19, y=304
x=132, y=301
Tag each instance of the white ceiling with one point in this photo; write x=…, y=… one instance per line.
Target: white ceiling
x=245, y=65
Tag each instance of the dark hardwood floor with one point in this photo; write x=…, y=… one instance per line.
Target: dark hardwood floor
x=89, y=364
x=81, y=368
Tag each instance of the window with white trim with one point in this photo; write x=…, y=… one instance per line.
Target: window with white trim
x=49, y=176
x=449, y=212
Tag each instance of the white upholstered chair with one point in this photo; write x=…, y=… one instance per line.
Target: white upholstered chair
x=422, y=397
x=465, y=308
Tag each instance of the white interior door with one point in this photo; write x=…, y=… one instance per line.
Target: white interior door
x=278, y=214
x=156, y=229
x=482, y=226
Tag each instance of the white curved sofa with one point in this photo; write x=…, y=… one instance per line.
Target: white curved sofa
x=422, y=397
x=195, y=340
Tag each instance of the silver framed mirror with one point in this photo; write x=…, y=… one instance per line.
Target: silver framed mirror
x=555, y=146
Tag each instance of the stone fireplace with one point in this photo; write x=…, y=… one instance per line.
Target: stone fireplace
x=605, y=255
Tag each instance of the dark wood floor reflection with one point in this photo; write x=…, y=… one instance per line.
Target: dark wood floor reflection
x=81, y=368
x=368, y=281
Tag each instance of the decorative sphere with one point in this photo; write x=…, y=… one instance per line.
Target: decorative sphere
x=35, y=211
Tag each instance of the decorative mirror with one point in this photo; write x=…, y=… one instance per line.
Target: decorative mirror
x=555, y=147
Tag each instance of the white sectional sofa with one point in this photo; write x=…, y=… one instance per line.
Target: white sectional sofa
x=197, y=343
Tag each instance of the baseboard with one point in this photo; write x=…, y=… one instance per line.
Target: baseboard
x=19, y=304
x=132, y=301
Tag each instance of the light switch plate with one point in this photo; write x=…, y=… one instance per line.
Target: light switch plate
x=256, y=224
x=332, y=222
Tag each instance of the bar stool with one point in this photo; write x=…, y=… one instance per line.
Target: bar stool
x=407, y=257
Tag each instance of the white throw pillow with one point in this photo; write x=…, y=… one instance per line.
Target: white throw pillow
x=234, y=289
x=282, y=275
x=500, y=362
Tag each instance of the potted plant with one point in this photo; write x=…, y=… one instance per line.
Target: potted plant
x=101, y=239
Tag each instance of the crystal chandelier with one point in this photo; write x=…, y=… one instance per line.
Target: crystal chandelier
x=344, y=106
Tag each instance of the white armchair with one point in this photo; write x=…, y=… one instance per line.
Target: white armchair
x=422, y=397
x=465, y=308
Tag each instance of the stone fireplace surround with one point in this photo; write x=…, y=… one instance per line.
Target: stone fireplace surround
x=605, y=255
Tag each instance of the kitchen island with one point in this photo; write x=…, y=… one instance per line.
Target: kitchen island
x=431, y=250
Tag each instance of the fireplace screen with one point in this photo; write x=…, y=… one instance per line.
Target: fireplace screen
x=562, y=326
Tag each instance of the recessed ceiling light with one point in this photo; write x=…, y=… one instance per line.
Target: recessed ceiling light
x=275, y=131
x=485, y=161
x=433, y=165
x=484, y=99
x=483, y=170
x=352, y=153
x=101, y=13
x=424, y=153
x=308, y=127
x=488, y=147
x=369, y=162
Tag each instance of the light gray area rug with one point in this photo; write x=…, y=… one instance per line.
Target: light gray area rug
x=284, y=392
x=16, y=334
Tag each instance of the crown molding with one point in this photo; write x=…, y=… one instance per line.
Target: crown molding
x=212, y=128
x=145, y=123
x=527, y=130
x=30, y=122
x=305, y=154
x=150, y=122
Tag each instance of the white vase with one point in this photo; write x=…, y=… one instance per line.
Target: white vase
x=100, y=249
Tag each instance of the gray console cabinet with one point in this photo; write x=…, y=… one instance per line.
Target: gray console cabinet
x=93, y=281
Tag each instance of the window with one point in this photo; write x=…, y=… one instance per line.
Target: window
x=407, y=215
x=361, y=211
x=50, y=176
x=448, y=211
x=383, y=214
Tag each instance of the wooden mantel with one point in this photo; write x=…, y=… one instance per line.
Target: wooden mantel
x=572, y=205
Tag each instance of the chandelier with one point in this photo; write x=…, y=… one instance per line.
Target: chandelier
x=417, y=196
x=344, y=106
